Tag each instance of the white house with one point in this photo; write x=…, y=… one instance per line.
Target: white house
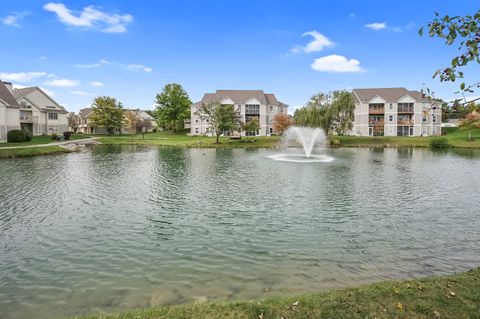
x=9, y=112
x=250, y=103
x=395, y=112
x=86, y=126
x=40, y=113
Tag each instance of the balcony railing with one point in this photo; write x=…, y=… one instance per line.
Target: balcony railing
x=405, y=122
x=376, y=111
x=376, y=123
x=405, y=109
x=25, y=118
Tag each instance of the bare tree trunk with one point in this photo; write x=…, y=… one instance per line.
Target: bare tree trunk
x=218, y=139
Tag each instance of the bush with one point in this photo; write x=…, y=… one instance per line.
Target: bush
x=16, y=136
x=439, y=143
x=67, y=135
x=28, y=136
x=334, y=141
x=79, y=133
x=54, y=136
x=449, y=130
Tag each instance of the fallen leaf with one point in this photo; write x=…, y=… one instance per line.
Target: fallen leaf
x=436, y=314
x=420, y=287
x=396, y=290
x=399, y=306
x=408, y=286
x=449, y=285
x=260, y=316
x=452, y=294
x=295, y=303
x=448, y=296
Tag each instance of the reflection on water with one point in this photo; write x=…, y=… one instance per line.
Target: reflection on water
x=121, y=227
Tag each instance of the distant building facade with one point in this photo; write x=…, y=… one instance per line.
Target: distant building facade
x=395, y=112
x=30, y=109
x=86, y=126
x=252, y=104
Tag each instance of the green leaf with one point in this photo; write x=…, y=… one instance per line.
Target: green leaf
x=420, y=31
x=462, y=86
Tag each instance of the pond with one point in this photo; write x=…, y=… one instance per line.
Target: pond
x=113, y=228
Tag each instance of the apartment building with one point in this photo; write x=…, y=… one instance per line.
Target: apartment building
x=252, y=104
x=395, y=112
x=29, y=109
x=145, y=122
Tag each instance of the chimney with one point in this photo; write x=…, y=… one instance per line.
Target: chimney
x=9, y=86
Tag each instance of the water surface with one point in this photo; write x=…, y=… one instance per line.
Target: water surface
x=120, y=227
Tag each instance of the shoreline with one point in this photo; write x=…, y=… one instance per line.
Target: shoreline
x=448, y=296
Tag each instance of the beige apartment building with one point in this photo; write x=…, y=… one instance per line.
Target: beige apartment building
x=395, y=112
x=250, y=103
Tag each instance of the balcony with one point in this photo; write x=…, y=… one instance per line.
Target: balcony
x=405, y=122
x=376, y=111
x=405, y=109
x=376, y=123
x=28, y=119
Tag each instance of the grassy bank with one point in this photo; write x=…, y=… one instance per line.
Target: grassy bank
x=32, y=151
x=455, y=296
x=182, y=140
x=455, y=139
x=37, y=140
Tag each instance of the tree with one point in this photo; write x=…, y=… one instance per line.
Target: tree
x=251, y=126
x=108, y=113
x=131, y=119
x=467, y=28
x=281, y=123
x=73, y=121
x=471, y=121
x=221, y=118
x=333, y=112
x=173, y=105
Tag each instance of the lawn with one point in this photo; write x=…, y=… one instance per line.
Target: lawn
x=183, y=140
x=455, y=296
x=42, y=140
x=455, y=139
x=32, y=151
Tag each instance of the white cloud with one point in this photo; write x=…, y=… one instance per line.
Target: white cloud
x=90, y=17
x=42, y=58
x=97, y=84
x=62, y=83
x=139, y=67
x=21, y=77
x=13, y=18
x=318, y=43
x=336, y=64
x=82, y=93
x=87, y=66
x=377, y=25
x=104, y=61
x=384, y=26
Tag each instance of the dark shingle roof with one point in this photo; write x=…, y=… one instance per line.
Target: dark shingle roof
x=19, y=93
x=6, y=96
x=241, y=96
x=84, y=113
x=388, y=94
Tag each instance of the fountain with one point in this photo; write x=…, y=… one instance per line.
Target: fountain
x=307, y=138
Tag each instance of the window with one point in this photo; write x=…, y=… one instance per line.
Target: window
x=280, y=109
x=53, y=116
x=52, y=129
x=391, y=106
x=405, y=108
x=390, y=117
x=271, y=130
x=25, y=105
x=252, y=109
x=196, y=120
x=206, y=120
x=196, y=130
x=404, y=130
x=251, y=133
x=424, y=118
x=271, y=108
x=434, y=118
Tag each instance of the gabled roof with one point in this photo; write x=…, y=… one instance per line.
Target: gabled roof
x=388, y=94
x=84, y=113
x=241, y=96
x=19, y=93
x=6, y=96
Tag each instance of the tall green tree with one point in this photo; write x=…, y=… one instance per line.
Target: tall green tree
x=221, y=118
x=108, y=113
x=465, y=32
x=173, y=105
x=333, y=112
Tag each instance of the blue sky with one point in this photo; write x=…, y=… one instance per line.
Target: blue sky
x=131, y=49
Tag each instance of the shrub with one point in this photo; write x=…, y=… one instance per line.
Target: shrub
x=28, y=136
x=449, y=130
x=79, y=133
x=54, y=136
x=16, y=136
x=67, y=135
x=439, y=142
x=334, y=141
